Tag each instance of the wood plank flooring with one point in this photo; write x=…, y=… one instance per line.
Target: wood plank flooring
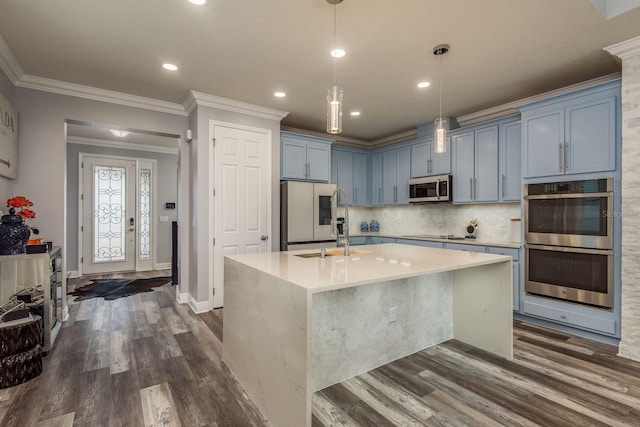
x=142, y=360
x=555, y=379
x=146, y=360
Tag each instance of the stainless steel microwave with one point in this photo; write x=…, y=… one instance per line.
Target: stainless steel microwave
x=430, y=189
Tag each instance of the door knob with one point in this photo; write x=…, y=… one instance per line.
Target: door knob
x=264, y=237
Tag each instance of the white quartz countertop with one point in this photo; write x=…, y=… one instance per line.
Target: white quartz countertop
x=479, y=242
x=366, y=264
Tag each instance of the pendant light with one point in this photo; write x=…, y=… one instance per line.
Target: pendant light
x=440, y=124
x=334, y=96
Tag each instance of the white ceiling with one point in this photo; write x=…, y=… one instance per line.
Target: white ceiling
x=501, y=51
x=96, y=133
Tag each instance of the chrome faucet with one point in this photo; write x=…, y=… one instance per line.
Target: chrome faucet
x=344, y=236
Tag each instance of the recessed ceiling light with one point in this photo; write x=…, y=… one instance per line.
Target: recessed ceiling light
x=169, y=67
x=279, y=94
x=424, y=84
x=198, y=2
x=119, y=133
x=338, y=53
x=355, y=113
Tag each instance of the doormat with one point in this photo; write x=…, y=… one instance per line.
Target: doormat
x=111, y=289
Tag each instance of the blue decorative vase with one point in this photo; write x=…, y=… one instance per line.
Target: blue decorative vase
x=14, y=234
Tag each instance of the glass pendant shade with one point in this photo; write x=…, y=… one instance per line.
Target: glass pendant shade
x=440, y=135
x=334, y=110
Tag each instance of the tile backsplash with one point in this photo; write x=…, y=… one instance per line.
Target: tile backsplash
x=439, y=219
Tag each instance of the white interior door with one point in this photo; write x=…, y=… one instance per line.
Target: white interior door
x=242, y=201
x=109, y=211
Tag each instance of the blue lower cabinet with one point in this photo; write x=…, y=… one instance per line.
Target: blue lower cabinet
x=425, y=243
x=515, y=254
x=376, y=240
x=464, y=247
x=356, y=241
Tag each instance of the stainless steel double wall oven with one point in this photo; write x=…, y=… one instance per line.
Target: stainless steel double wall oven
x=569, y=241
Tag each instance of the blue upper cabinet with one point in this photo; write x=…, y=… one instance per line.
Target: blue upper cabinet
x=304, y=158
x=389, y=172
x=463, y=159
x=376, y=179
x=510, y=155
x=403, y=174
x=360, y=174
x=349, y=170
x=426, y=162
x=475, y=165
x=396, y=172
x=571, y=134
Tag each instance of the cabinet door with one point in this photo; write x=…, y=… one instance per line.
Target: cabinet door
x=389, y=169
x=486, y=165
x=420, y=160
x=403, y=173
x=440, y=163
x=376, y=179
x=344, y=170
x=543, y=144
x=318, y=159
x=510, y=170
x=359, y=179
x=294, y=159
x=463, y=247
x=590, y=136
x=462, y=166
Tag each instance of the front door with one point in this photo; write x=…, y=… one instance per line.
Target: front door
x=242, y=201
x=109, y=212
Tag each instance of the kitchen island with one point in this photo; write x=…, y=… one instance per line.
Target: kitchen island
x=296, y=325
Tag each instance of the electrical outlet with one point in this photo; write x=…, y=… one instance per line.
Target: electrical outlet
x=503, y=222
x=392, y=314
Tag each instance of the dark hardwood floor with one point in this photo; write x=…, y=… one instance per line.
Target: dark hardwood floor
x=146, y=360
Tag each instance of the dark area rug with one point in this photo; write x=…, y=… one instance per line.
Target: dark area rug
x=111, y=289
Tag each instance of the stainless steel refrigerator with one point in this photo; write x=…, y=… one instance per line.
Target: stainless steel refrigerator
x=305, y=215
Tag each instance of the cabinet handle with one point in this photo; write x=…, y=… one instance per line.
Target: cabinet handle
x=308, y=170
x=560, y=156
x=429, y=168
x=438, y=189
x=503, y=186
x=566, y=156
x=379, y=194
x=355, y=196
x=471, y=188
x=395, y=193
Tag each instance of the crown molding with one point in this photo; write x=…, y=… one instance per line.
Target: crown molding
x=121, y=145
x=512, y=108
x=394, y=139
x=625, y=49
x=9, y=63
x=104, y=95
x=195, y=99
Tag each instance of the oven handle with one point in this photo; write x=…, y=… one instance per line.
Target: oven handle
x=568, y=196
x=569, y=249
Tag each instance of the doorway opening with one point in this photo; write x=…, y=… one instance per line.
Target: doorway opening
x=122, y=194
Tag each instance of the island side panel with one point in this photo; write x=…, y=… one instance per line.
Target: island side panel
x=351, y=332
x=483, y=307
x=266, y=344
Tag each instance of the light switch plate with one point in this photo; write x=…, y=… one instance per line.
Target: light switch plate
x=164, y=219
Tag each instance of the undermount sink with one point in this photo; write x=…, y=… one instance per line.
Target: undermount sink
x=332, y=252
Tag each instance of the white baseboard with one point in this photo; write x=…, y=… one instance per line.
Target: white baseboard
x=65, y=314
x=163, y=266
x=200, y=307
x=182, y=298
x=73, y=274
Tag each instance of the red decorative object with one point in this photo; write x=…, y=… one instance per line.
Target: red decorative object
x=22, y=203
